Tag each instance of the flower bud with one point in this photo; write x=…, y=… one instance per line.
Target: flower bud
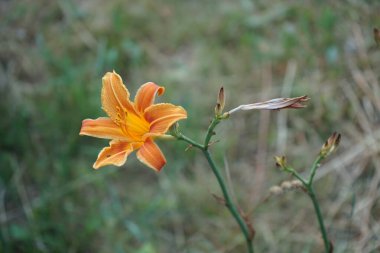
x=218, y=109
x=330, y=145
x=280, y=161
x=220, y=103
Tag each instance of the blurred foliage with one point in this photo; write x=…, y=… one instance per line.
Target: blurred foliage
x=52, y=57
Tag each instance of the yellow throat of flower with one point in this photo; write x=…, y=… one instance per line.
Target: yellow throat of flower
x=134, y=126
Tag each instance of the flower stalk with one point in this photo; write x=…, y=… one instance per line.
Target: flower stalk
x=330, y=145
x=274, y=104
x=308, y=186
x=244, y=227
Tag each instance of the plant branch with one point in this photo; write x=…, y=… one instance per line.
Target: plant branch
x=229, y=204
x=228, y=200
x=314, y=168
x=193, y=143
x=310, y=191
x=318, y=212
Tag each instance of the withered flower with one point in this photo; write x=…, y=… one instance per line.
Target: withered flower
x=274, y=104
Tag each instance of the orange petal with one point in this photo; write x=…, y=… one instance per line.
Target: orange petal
x=146, y=94
x=115, y=154
x=115, y=97
x=162, y=116
x=151, y=155
x=101, y=128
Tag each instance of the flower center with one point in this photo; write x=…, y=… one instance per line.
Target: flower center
x=135, y=126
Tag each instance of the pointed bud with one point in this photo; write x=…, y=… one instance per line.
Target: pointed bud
x=376, y=36
x=330, y=145
x=280, y=161
x=221, y=98
x=220, y=103
x=275, y=104
x=218, y=109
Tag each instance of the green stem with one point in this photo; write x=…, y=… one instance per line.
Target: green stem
x=314, y=168
x=229, y=203
x=296, y=175
x=318, y=212
x=310, y=191
x=210, y=132
x=182, y=137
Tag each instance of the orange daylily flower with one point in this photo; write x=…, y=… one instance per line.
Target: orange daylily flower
x=131, y=125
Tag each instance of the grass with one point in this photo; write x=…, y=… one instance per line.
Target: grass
x=53, y=55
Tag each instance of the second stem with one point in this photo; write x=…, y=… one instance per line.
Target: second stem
x=228, y=200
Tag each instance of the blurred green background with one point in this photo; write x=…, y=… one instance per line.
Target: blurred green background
x=53, y=55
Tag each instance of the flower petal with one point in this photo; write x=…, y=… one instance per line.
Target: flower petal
x=162, y=116
x=115, y=154
x=146, y=94
x=101, y=128
x=151, y=155
x=115, y=98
